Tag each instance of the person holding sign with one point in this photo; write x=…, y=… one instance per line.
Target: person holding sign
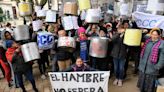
x=151, y=61
x=79, y=66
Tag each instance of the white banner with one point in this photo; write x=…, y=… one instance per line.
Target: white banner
x=79, y=81
x=145, y=20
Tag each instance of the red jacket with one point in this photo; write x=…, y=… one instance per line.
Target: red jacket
x=10, y=53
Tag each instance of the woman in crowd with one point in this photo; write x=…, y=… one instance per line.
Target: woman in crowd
x=83, y=44
x=79, y=66
x=151, y=61
x=63, y=56
x=119, y=54
x=54, y=30
x=5, y=66
x=20, y=67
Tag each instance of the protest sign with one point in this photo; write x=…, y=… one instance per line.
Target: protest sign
x=45, y=40
x=145, y=20
x=79, y=81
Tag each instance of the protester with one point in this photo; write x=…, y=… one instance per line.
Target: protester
x=9, y=28
x=79, y=66
x=119, y=54
x=63, y=56
x=151, y=61
x=20, y=67
x=5, y=66
x=83, y=44
x=54, y=30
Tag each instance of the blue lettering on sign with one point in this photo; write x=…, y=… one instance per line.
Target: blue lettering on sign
x=45, y=39
x=146, y=23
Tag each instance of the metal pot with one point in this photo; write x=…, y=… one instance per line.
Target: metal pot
x=30, y=51
x=84, y=4
x=98, y=47
x=21, y=32
x=25, y=8
x=67, y=43
x=51, y=16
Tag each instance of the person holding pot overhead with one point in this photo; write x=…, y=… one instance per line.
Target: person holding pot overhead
x=151, y=61
x=119, y=54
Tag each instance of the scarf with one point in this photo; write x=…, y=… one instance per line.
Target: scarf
x=155, y=50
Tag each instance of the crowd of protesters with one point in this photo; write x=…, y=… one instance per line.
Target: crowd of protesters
x=148, y=58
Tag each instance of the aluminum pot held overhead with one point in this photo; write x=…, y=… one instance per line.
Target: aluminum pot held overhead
x=30, y=51
x=25, y=8
x=98, y=47
x=21, y=32
x=67, y=43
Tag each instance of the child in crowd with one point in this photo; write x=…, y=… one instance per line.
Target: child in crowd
x=83, y=44
x=79, y=66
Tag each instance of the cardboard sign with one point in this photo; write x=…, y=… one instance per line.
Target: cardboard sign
x=124, y=9
x=41, y=13
x=93, y=16
x=70, y=22
x=51, y=16
x=84, y=4
x=133, y=37
x=37, y=25
x=45, y=40
x=37, y=8
x=55, y=5
x=70, y=8
x=79, y=81
x=145, y=20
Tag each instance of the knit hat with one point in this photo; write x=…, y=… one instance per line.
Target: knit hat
x=81, y=30
x=9, y=43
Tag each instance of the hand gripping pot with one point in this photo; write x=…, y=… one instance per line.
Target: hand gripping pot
x=67, y=43
x=21, y=32
x=98, y=47
x=30, y=51
x=25, y=8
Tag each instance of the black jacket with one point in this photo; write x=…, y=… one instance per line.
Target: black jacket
x=19, y=65
x=119, y=49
